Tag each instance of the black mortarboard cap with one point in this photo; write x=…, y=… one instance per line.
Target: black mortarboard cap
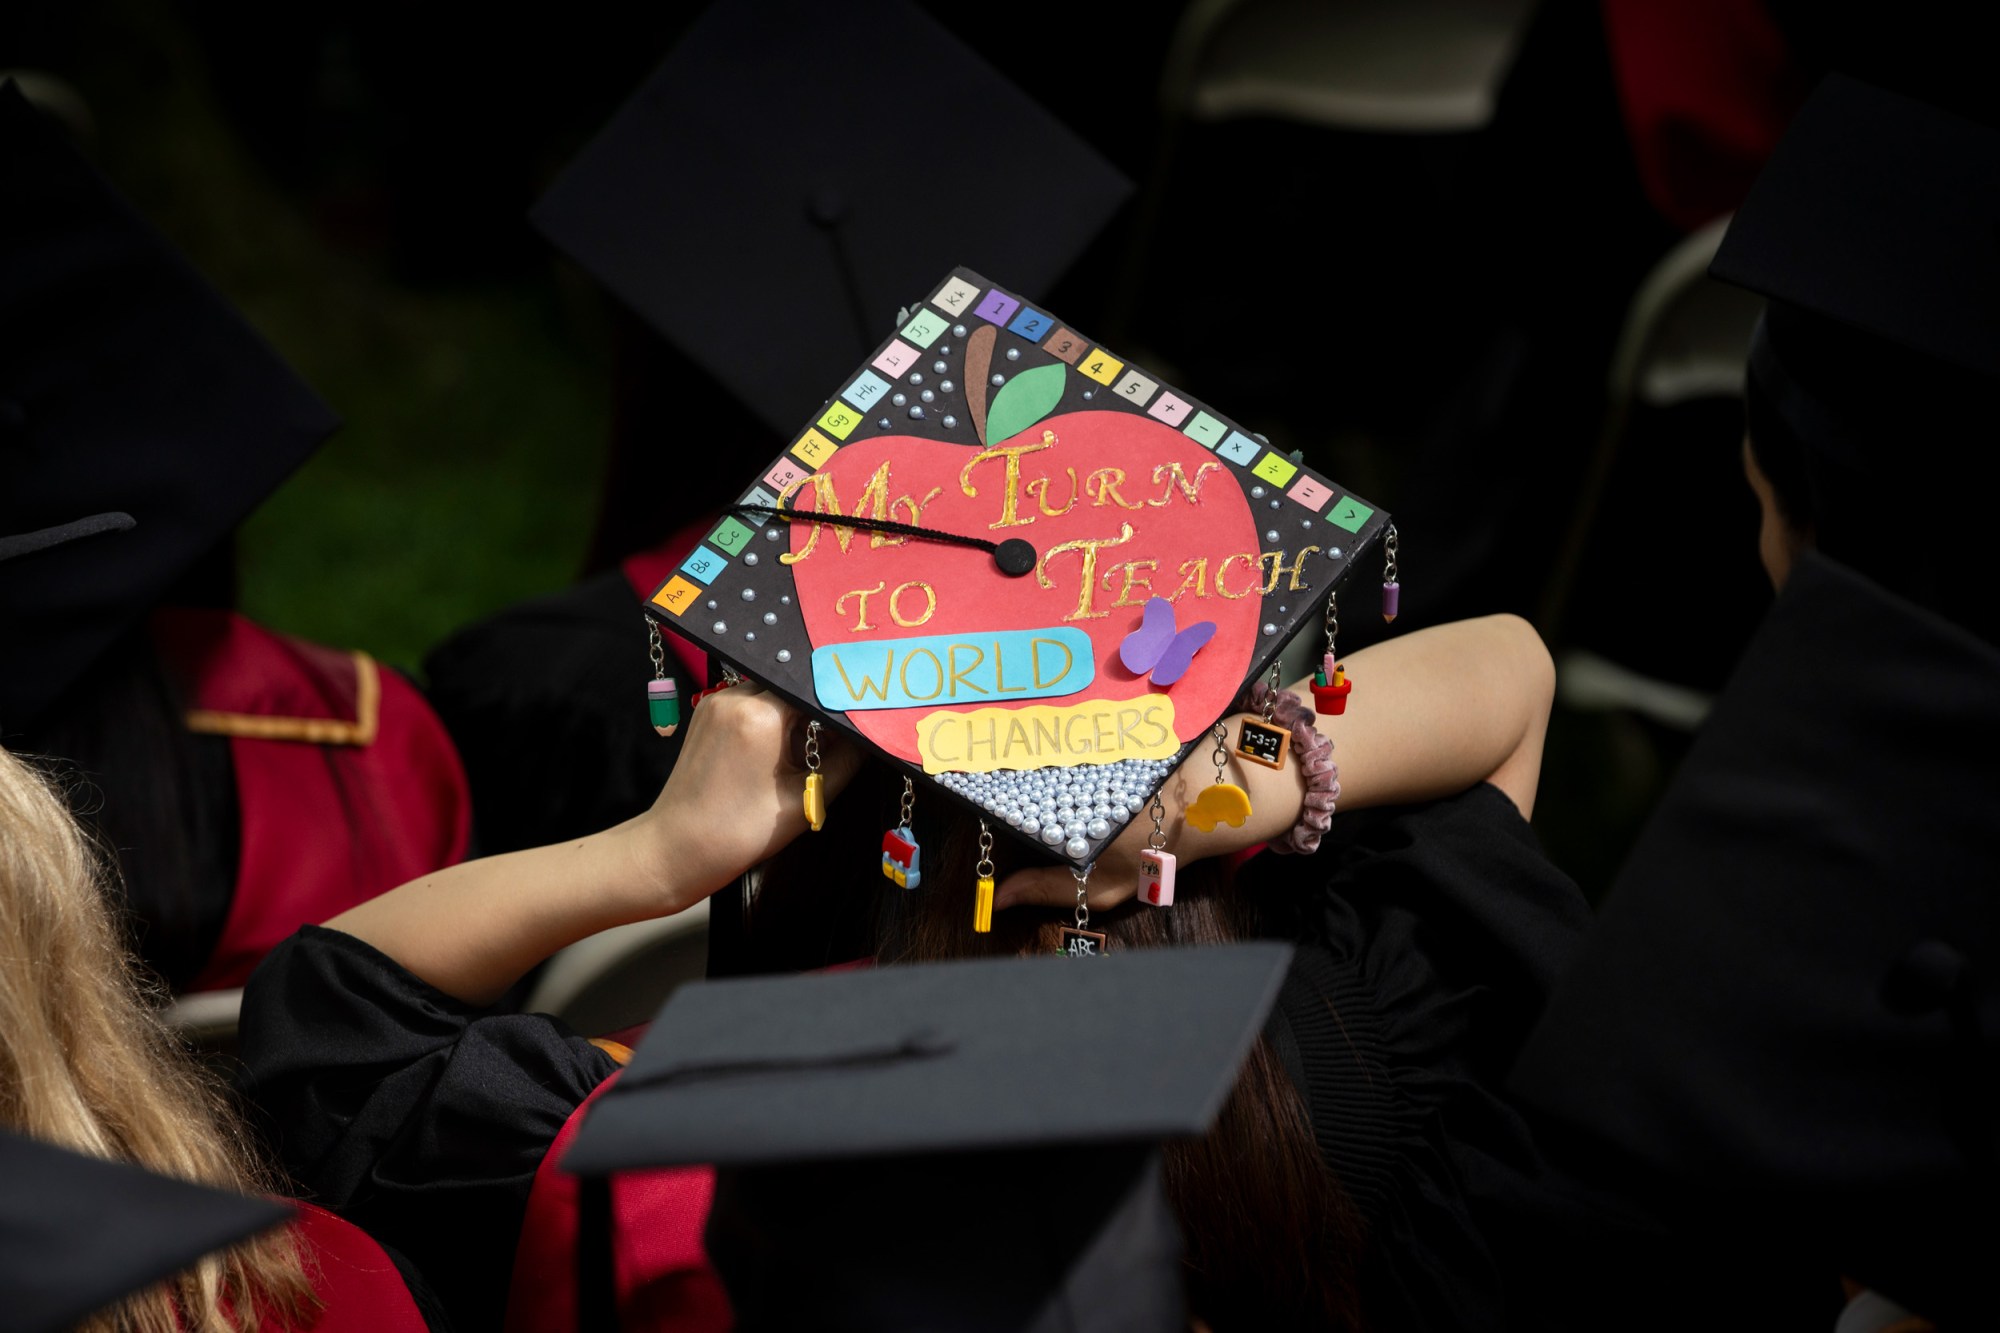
x=79, y=1233
x=127, y=386
x=1790, y=1003
x=1879, y=212
x=794, y=173
x=1871, y=231
x=1093, y=567
x=966, y=1145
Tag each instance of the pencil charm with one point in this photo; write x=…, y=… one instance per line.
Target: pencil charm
x=982, y=900
x=663, y=705
x=815, y=803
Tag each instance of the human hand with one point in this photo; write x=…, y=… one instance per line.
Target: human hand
x=736, y=793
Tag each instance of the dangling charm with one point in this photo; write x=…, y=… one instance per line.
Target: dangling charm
x=1079, y=941
x=1392, y=591
x=1224, y=802
x=982, y=900
x=899, y=844
x=1156, y=863
x=1262, y=742
x=1330, y=685
x=662, y=700
x=815, y=790
x=729, y=678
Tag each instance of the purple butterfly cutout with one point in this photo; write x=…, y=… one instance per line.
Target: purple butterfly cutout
x=1157, y=647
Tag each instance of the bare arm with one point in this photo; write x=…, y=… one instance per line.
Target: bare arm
x=1433, y=712
x=734, y=799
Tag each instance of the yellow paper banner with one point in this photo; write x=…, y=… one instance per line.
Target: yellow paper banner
x=1100, y=731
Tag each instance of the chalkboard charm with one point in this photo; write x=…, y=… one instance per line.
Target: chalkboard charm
x=1079, y=941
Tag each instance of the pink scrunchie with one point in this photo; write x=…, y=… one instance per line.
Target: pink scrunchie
x=1315, y=755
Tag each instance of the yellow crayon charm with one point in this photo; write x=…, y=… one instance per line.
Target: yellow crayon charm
x=815, y=802
x=982, y=906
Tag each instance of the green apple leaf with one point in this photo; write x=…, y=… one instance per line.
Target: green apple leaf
x=1025, y=399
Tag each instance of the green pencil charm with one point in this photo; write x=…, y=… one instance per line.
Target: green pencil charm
x=663, y=703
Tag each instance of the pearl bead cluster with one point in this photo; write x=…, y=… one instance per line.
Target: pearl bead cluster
x=1066, y=807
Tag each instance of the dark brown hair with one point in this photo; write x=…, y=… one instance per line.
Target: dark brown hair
x=1272, y=1239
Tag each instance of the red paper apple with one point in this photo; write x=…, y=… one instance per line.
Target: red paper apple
x=1124, y=474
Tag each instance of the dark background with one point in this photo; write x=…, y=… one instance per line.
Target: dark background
x=1426, y=316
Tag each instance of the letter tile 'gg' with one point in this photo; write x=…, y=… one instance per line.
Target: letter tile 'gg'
x=878, y=602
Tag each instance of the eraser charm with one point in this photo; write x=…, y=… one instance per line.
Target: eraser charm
x=664, y=705
x=982, y=906
x=1156, y=877
x=900, y=858
x=815, y=802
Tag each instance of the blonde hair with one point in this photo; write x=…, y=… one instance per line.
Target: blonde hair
x=86, y=1062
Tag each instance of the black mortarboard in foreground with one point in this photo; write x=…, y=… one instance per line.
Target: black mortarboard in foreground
x=949, y=1145
x=795, y=173
x=79, y=1233
x=1788, y=1006
x=1872, y=375
x=127, y=387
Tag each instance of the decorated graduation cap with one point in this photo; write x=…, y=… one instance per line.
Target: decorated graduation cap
x=1024, y=570
x=949, y=1145
x=140, y=417
x=1871, y=231
x=794, y=173
x=1791, y=997
x=80, y=1233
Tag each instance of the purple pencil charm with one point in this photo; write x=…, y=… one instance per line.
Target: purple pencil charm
x=1392, y=591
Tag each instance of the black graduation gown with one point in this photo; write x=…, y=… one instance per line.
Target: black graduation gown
x=1777, y=1041
x=1429, y=937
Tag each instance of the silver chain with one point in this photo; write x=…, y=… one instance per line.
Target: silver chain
x=909, y=803
x=1082, y=903
x=985, y=867
x=812, y=747
x=1221, y=755
x=1389, y=556
x=1158, y=842
x=1333, y=625
x=656, y=648
x=1271, y=694
x=730, y=676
